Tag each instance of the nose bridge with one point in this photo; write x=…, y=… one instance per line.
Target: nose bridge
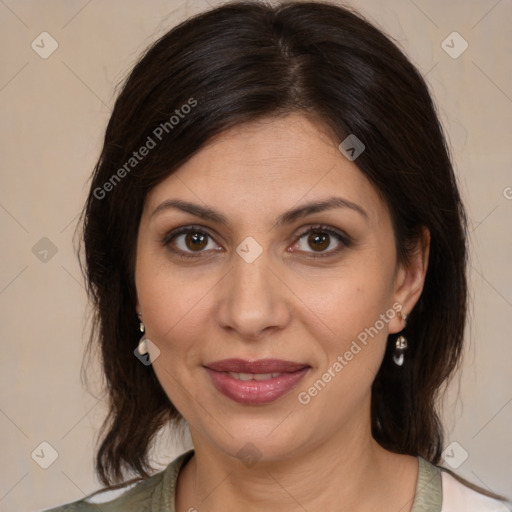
x=253, y=298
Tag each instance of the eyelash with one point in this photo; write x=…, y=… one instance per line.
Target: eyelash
x=320, y=228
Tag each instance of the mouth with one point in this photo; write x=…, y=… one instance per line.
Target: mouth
x=255, y=382
x=253, y=376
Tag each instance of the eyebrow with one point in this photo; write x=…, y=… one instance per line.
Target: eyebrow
x=288, y=217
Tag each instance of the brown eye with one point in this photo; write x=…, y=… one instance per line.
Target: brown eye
x=188, y=242
x=318, y=239
x=196, y=241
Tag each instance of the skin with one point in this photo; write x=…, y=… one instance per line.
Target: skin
x=286, y=305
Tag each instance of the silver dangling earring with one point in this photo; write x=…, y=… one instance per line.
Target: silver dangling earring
x=143, y=346
x=400, y=348
x=400, y=344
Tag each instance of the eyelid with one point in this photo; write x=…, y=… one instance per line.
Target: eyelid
x=343, y=238
x=322, y=228
x=183, y=230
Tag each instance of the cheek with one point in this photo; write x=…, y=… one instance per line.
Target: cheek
x=356, y=306
x=358, y=312
x=170, y=297
x=350, y=300
x=173, y=312
x=177, y=311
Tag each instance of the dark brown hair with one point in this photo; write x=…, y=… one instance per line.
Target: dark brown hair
x=241, y=62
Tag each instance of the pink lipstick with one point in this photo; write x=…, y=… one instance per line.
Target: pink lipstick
x=255, y=382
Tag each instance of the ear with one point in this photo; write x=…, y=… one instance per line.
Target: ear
x=410, y=278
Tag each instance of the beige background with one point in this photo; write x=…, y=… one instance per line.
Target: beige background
x=53, y=114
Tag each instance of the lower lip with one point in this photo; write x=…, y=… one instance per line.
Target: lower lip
x=253, y=392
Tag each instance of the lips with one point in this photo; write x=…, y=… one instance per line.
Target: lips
x=255, y=382
x=260, y=366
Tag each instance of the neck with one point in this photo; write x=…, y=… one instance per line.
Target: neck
x=331, y=475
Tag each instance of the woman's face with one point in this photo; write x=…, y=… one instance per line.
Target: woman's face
x=248, y=283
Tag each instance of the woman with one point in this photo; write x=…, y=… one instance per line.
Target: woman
x=275, y=209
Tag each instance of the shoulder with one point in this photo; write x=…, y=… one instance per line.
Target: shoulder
x=458, y=497
x=139, y=498
x=438, y=491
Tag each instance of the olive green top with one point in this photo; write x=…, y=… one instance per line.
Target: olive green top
x=157, y=493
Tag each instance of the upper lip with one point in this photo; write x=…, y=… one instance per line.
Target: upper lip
x=258, y=366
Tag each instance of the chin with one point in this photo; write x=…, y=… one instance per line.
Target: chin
x=259, y=440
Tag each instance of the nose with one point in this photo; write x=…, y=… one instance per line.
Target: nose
x=253, y=300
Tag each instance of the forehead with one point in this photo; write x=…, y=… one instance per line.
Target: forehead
x=269, y=165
